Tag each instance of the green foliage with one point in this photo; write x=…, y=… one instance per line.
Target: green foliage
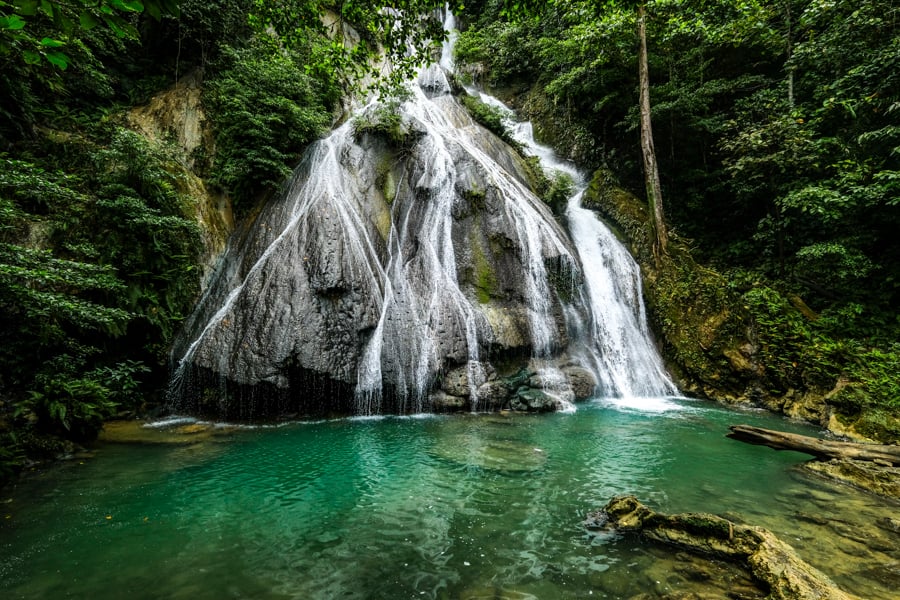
x=23, y=22
x=96, y=269
x=386, y=33
x=777, y=133
x=491, y=117
x=265, y=111
x=562, y=186
x=795, y=354
x=384, y=120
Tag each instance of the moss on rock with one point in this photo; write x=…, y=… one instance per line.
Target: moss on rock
x=774, y=564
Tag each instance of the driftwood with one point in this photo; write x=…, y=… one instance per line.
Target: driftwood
x=821, y=449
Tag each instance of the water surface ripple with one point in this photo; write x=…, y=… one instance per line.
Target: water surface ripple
x=468, y=506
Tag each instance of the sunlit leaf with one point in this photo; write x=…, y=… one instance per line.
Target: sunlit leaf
x=58, y=59
x=51, y=43
x=12, y=22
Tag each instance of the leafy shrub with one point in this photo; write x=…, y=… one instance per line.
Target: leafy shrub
x=265, y=110
x=491, y=117
x=385, y=121
x=97, y=267
x=562, y=186
x=796, y=354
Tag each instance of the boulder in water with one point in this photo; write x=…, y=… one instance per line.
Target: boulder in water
x=492, y=395
x=772, y=562
x=582, y=381
x=533, y=400
x=441, y=401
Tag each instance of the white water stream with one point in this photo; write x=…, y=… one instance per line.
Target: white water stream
x=316, y=269
x=617, y=343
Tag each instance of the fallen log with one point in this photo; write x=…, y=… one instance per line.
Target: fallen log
x=821, y=449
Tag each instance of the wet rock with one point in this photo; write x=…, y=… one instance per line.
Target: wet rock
x=444, y=402
x=532, y=400
x=456, y=381
x=582, y=381
x=866, y=475
x=771, y=561
x=493, y=395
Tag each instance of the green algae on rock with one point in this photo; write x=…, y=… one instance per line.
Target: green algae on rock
x=774, y=564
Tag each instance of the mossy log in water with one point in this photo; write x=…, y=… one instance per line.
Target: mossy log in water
x=821, y=449
x=773, y=563
x=871, y=467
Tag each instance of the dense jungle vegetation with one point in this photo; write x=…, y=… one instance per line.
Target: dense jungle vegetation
x=777, y=132
x=777, y=128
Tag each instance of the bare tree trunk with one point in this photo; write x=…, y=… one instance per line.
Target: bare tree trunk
x=789, y=51
x=651, y=170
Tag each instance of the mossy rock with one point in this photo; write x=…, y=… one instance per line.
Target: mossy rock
x=774, y=564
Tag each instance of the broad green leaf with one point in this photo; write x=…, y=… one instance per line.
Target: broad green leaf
x=58, y=59
x=12, y=22
x=27, y=7
x=171, y=7
x=31, y=57
x=120, y=26
x=128, y=5
x=51, y=43
x=87, y=20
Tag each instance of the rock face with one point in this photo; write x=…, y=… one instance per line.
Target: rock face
x=177, y=113
x=772, y=562
x=406, y=254
x=409, y=266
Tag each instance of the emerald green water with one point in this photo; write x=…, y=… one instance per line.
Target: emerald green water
x=472, y=506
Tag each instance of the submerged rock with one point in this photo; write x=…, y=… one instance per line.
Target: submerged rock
x=881, y=479
x=774, y=564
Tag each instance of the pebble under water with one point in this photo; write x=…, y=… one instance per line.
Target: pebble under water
x=468, y=506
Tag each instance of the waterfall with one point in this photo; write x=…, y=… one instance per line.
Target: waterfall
x=405, y=255
x=617, y=342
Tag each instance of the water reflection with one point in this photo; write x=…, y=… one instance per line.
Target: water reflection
x=454, y=507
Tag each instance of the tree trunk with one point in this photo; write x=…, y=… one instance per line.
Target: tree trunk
x=651, y=171
x=789, y=50
x=821, y=449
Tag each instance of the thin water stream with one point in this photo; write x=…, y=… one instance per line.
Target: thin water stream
x=471, y=506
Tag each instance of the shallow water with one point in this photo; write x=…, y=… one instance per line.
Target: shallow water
x=470, y=506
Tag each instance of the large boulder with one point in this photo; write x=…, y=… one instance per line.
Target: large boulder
x=772, y=562
x=401, y=248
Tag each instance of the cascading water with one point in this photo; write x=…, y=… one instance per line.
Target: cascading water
x=617, y=342
x=407, y=254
